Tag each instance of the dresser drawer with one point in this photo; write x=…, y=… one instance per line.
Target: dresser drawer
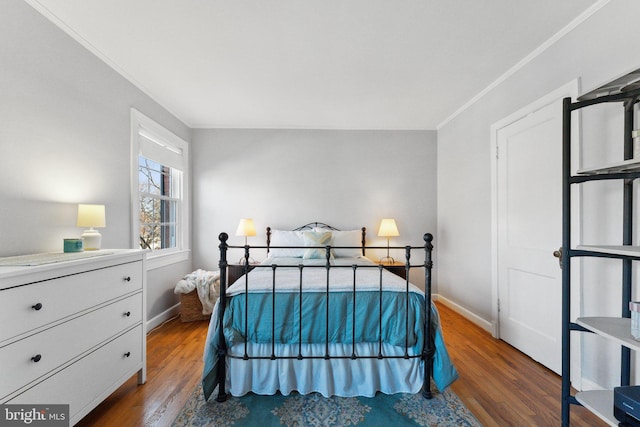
x=34, y=356
x=90, y=379
x=31, y=307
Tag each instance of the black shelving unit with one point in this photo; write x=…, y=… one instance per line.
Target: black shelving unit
x=625, y=92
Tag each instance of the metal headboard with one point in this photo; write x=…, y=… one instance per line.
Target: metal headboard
x=312, y=225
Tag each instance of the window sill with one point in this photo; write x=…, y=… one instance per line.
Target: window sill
x=159, y=260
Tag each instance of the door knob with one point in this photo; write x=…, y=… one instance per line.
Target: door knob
x=558, y=254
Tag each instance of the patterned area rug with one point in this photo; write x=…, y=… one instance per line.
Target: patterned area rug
x=445, y=409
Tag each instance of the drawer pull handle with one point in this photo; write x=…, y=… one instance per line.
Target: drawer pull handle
x=36, y=358
x=127, y=314
x=127, y=279
x=127, y=354
x=37, y=306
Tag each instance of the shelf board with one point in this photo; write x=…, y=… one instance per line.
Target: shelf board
x=600, y=402
x=617, y=329
x=625, y=83
x=631, y=165
x=625, y=250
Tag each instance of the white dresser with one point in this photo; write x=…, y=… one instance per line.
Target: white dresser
x=71, y=330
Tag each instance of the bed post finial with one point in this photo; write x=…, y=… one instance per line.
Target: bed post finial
x=223, y=246
x=268, y=239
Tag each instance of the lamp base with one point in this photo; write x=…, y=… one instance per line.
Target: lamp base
x=387, y=260
x=251, y=261
x=92, y=239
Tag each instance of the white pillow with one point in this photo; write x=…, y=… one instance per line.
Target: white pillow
x=286, y=238
x=347, y=238
x=315, y=238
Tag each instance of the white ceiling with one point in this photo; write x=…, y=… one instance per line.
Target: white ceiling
x=317, y=64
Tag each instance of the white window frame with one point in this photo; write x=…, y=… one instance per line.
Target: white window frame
x=141, y=124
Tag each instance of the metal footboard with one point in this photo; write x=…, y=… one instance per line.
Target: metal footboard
x=428, y=348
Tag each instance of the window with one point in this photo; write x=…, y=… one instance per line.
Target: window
x=159, y=187
x=159, y=190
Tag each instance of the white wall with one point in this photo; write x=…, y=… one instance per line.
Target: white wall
x=598, y=50
x=286, y=178
x=64, y=140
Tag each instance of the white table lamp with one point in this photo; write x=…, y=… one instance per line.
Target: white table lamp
x=246, y=228
x=388, y=228
x=91, y=216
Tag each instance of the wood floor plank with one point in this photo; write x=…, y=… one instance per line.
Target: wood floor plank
x=500, y=385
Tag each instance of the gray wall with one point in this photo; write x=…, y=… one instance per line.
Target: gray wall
x=599, y=49
x=285, y=178
x=64, y=140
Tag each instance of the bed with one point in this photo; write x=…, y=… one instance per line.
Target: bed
x=318, y=316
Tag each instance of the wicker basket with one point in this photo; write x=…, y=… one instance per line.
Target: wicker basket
x=191, y=308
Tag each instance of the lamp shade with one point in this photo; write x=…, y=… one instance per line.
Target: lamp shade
x=388, y=228
x=91, y=216
x=246, y=228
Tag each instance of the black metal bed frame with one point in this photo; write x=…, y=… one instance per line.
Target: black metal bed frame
x=428, y=348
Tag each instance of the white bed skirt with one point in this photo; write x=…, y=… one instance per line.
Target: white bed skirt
x=334, y=377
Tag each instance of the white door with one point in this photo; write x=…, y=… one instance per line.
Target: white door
x=529, y=226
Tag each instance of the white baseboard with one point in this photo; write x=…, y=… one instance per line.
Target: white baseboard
x=163, y=317
x=472, y=317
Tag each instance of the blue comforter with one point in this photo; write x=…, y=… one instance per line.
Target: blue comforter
x=396, y=322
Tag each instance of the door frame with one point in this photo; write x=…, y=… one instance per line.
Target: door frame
x=569, y=89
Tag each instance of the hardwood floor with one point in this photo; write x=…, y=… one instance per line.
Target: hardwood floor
x=500, y=385
x=174, y=367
